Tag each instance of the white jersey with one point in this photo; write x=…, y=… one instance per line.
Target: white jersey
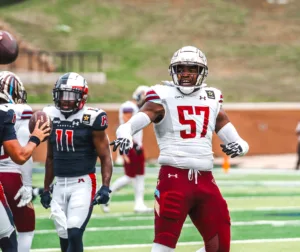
x=185, y=133
x=131, y=107
x=23, y=114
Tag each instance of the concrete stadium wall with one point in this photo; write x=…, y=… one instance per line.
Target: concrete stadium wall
x=268, y=128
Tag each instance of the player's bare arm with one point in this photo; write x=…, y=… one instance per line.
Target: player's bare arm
x=21, y=154
x=101, y=143
x=49, y=174
x=222, y=120
x=154, y=111
x=233, y=145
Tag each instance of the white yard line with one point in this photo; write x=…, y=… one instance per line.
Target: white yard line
x=150, y=215
x=128, y=246
x=274, y=223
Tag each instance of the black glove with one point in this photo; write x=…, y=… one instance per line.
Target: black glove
x=46, y=199
x=137, y=148
x=233, y=149
x=124, y=143
x=102, y=196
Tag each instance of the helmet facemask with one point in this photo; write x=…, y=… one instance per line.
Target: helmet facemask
x=68, y=101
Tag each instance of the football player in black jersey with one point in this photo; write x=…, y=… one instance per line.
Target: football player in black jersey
x=77, y=139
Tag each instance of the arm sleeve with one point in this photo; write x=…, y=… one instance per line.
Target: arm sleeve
x=9, y=123
x=134, y=125
x=23, y=137
x=101, y=122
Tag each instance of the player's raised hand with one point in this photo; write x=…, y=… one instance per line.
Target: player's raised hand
x=124, y=145
x=25, y=192
x=234, y=149
x=41, y=132
x=46, y=199
x=102, y=196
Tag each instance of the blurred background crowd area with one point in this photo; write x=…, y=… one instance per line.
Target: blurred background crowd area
x=252, y=49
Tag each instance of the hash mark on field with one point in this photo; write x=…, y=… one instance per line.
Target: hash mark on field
x=178, y=244
x=149, y=227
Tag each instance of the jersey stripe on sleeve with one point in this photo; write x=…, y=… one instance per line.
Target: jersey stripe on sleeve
x=26, y=114
x=151, y=96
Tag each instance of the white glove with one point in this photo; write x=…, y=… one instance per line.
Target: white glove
x=57, y=214
x=25, y=192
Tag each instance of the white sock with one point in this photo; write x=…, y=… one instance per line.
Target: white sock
x=139, y=188
x=120, y=182
x=161, y=248
x=25, y=241
x=201, y=250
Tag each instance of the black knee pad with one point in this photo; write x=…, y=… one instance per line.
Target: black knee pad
x=9, y=244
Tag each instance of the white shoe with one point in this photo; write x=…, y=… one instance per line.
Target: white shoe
x=143, y=209
x=105, y=208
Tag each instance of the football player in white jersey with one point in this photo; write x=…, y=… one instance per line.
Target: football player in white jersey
x=16, y=179
x=15, y=182
x=185, y=114
x=134, y=162
x=77, y=139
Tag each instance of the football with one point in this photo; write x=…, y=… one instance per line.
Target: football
x=9, y=49
x=38, y=115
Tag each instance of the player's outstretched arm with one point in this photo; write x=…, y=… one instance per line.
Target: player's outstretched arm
x=101, y=143
x=20, y=154
x=233, y=145
x=150, y=112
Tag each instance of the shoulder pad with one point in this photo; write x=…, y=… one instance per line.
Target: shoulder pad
x=23, y=111
x=95, y=118
x=214, y=93
x=155, y=93
x=51, y=111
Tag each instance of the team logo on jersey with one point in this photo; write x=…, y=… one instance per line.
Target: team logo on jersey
x=75, y=122
x=210, y=94
x=86, y=119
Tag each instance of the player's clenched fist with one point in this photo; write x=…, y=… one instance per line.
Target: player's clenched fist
x=46, y=199
x=102, y=196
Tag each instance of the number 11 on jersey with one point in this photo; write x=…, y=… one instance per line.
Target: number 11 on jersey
x=193, y=110
x=69, y=140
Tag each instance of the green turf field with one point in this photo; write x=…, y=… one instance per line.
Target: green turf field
x=265, y=214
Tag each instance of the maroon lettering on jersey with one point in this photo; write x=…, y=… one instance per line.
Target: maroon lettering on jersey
x=104, y=121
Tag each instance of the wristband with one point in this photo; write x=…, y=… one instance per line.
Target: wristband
x=35, y=140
